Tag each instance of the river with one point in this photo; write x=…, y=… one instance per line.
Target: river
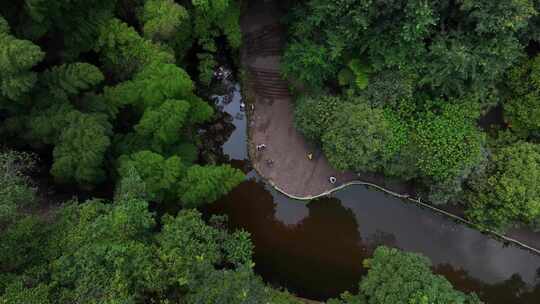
x=315, y=249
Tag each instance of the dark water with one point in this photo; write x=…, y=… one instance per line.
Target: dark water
x=316, y=250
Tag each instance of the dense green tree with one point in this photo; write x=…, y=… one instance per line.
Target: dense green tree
x=80, y=151
x=452, y=48
x=45, y=125
x=17, y=292
x=498, y=16
x=221, y=15
x=190, y=249
x=71, y=79
x=205, y=184
x=313, y=115
x=159, y=82
x=448, y=143
x=102, y=252
x=164, y=124
x=396, y=277
x=23, y=245
x=207, y=65
x=447, y=147
x=462, y=63
x=308, y=63
x=156, y=83
x=390, y=88
x=15, y=189
x=229, y=287
x=159, y=174
x=124, y=51
x=358, y=137
x=17, y=57
x=168, y=22
x=507, y=191
x=77, y=20
x=522, y=108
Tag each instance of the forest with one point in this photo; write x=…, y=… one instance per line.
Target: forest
x=444, y=94
x=110, y=96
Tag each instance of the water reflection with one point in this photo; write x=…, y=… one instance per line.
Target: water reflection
x=511, y=290
x=320, y=255
x=231, y=103
x=439, y=238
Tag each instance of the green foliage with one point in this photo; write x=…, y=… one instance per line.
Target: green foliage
x=453, y=49
x=15, y=189
x=499, y=16
x=159, y=174
x=360, y=72
x=103, y=253
x=308, y=63
x=229, y=287
x=201, y=111
x=448, y=143
x=212, y=17
x=46, y=125
x=159, y=82
x=80, y=152
x=17, y=57
x=207, y=184
x=399, y=277
x=399, y=150
x=463, y=64
x=71, y=79
x=124, y=51
x=164, y=123
x=522, y=109
x=508, y=190
x=99, y=252
x=392, y=89
x=283, y=297
x=78, y=21
x=23, y=246
x=131, y=186
x=230, y=24
x=165, y=20
x=355, y=76
x=206, y=67
x=357, y=138
x=17, y=293
x=190, y=250
x=313, y=115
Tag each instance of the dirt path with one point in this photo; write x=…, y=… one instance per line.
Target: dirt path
x=271, y=121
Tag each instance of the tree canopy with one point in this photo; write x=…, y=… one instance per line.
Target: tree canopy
x=507, y=191
x=405, y=278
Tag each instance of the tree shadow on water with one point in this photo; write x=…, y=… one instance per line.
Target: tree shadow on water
x=319, y=257
x=510, y=291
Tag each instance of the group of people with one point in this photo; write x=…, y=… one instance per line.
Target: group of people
x=270, y=162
